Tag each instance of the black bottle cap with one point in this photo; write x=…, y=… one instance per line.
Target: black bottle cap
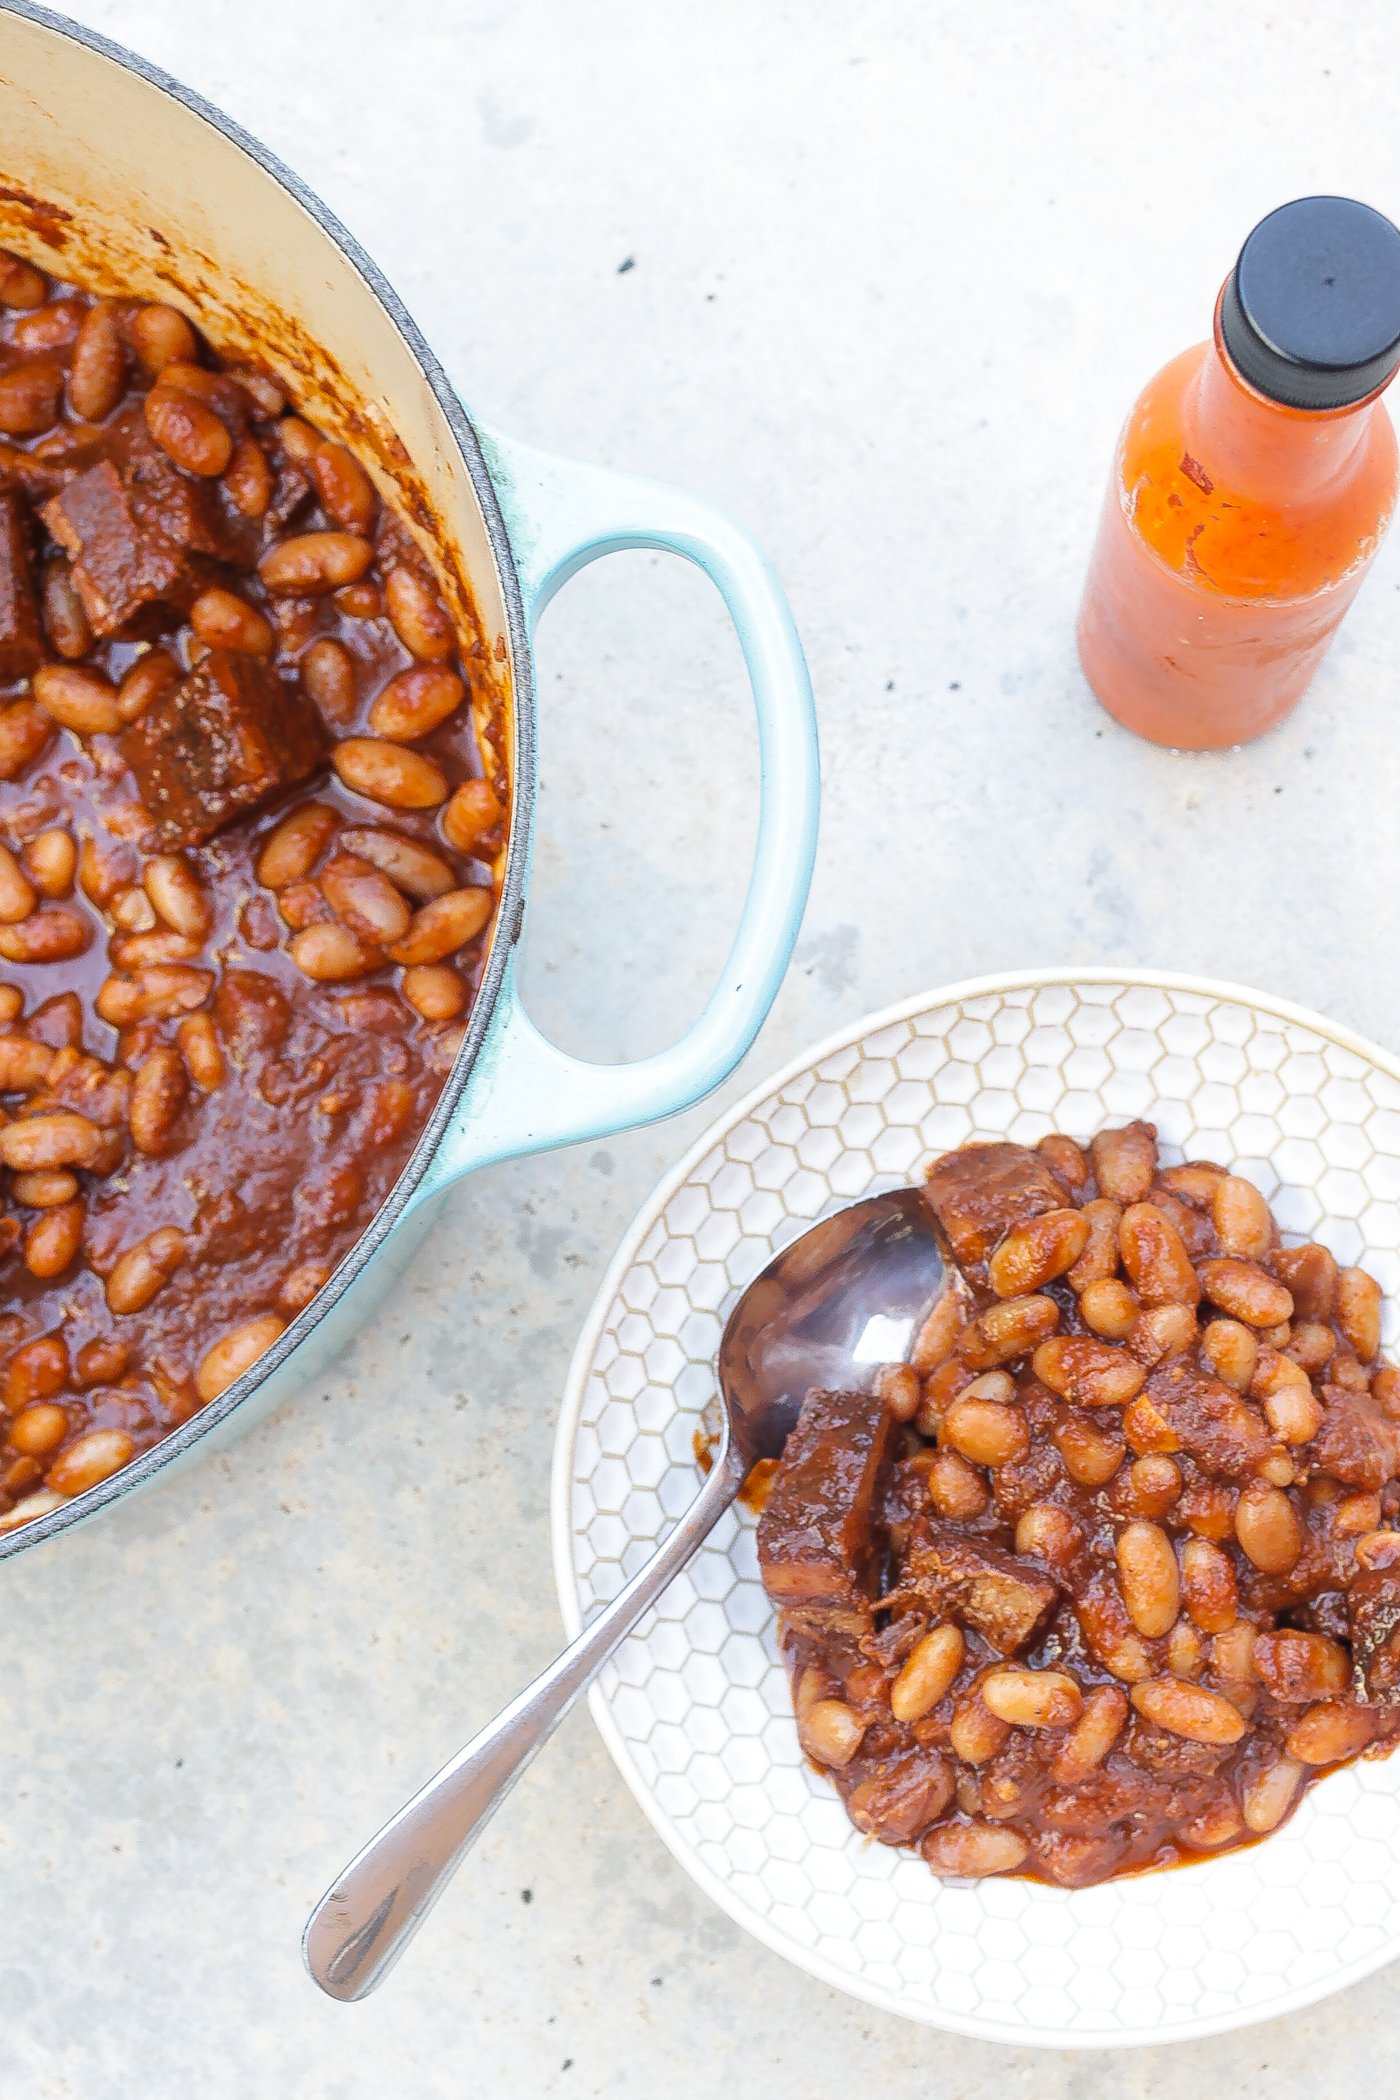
x=1311, y=314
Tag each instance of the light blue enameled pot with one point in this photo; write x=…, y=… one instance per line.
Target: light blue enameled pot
x=112, y=174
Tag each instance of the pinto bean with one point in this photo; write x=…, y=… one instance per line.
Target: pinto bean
x=97, y=369
x=437, y=993
x=345, y=490
x=1032, y=1698
x=1161, y=1332
x=1092, y=1455
x=956, y=1488
x=389, y=774
x=248, y=478
x=1149, y=1577
x=1241, y=1217
x=61, y=1139
x=1155, y=1257
x=1149, y=1487
x=1087, y=1372
x=443, y=925
x=223, y=620
x=1359, y=1312
x=50, y=861
x=986, y=1432
x=472, y=814
x=1328, y=1732
x=292, y=848
x=157, y=993
x=1007, y=1330
x=1266, y=1525
x=416, y=702
x=365, y=900
x=177, y=895
x=55, y=935
x=24, y=1064
x=46, y=1189
x=236, y=1353
x=25, y=731
x=39, y=1429
x=1310, y=1274
x=144, y=1270
x=1109, y=1307
x=36, y=1372
x=65, y=619
x=1231, y=1350
x=157, y=1096
x=188, y=430
x=77, y=698
x=52, y=1243
x=974, y=1850
x=975, y=1732
x=1034, y=1252
x=928, y=1672
x=22, y=287
x=413, y=868
x=161, y=336
x=31, y=394
x=831, y=1733
x=1125, y=1162
x=1188, y=1710
x=1246, y=1292
x=328, y=953
x=144, y=683
x=1208, y=1579
x=199, y=1046
x=1100, y=1256
x=311, y=563
x=418, y=617
x=90, y=1459
x=330, y=680
x=1092, y=1737
x=1051, y=1534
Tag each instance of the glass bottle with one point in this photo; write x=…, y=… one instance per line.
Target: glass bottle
x=1252, y=487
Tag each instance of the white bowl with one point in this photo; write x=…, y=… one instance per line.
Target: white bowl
x=696, y=1708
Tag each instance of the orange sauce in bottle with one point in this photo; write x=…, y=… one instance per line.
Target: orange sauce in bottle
x=1238, y=527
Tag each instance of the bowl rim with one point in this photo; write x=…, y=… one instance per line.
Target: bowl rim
x=208, y=1420
x=714, y=1885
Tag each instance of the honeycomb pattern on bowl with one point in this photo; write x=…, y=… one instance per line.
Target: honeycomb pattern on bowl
x=696, y=1707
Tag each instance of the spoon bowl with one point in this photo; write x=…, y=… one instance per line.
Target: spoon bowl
x=829, y=1310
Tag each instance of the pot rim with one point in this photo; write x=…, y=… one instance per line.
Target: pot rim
x=522, y=720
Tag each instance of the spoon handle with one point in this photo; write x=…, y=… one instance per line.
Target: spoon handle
x=369, y=1914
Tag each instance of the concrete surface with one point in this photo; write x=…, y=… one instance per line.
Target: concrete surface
x=898, y=269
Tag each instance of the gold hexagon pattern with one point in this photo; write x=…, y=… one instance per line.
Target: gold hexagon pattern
x=696, y=1707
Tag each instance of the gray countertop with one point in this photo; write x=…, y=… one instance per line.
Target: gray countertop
x=898, y=270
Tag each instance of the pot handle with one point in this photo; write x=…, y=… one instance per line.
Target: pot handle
x=525, y=1095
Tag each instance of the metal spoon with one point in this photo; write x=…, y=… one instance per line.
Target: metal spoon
x=845, y=1298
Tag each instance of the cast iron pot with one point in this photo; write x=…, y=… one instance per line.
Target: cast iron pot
x=113, y=175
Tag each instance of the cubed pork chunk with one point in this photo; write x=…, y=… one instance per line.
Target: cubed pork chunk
x=1210, y=1420
x=980, y=1585
x=21, y=636
x=979, y=1192
x=1357, y=1442
x=818, y=1544
x=1373, y=1608
x=224, y=741
x=145, y=539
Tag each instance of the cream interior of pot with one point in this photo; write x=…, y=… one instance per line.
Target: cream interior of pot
x=108, y=181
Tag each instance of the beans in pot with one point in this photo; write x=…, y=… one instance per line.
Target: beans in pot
x=1109, y=1573
x=251, y=817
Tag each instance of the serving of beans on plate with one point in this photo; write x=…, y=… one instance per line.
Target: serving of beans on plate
x=248, y=853
x=1108, y=1572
